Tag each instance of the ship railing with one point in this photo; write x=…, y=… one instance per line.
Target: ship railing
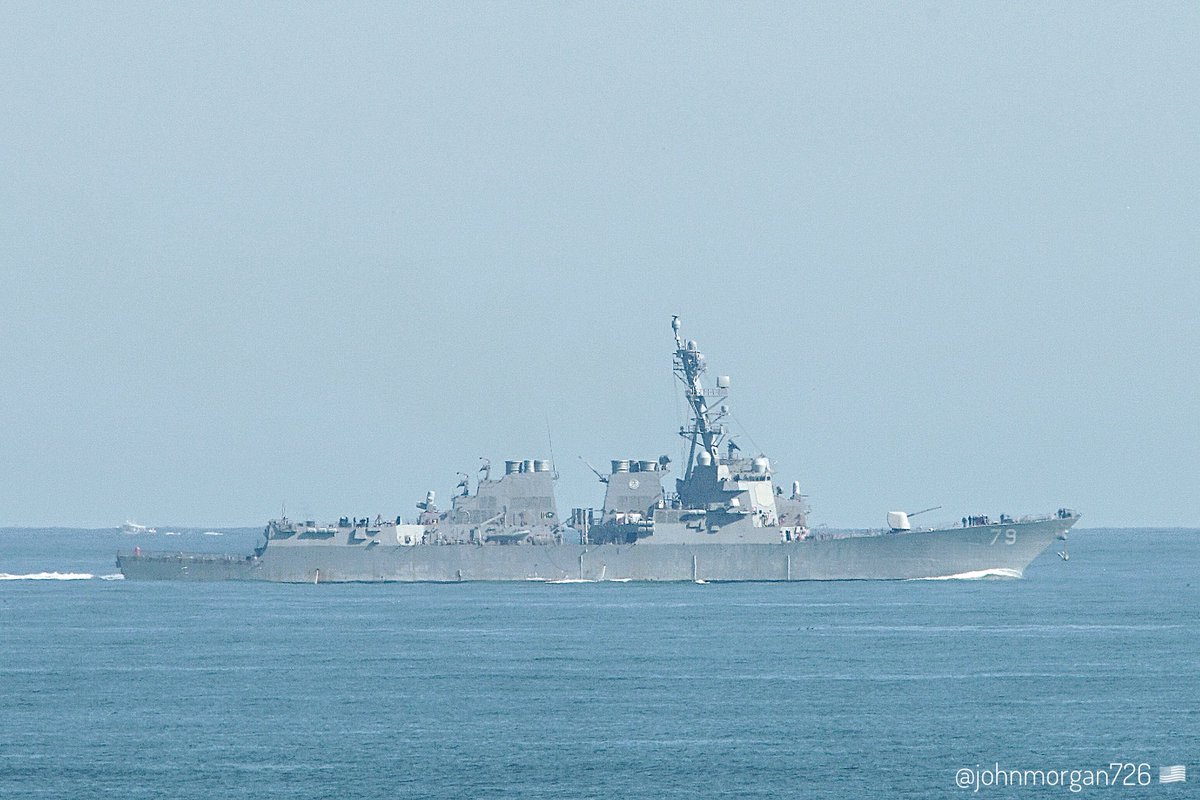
x=1035, y=517
x=1007, y=520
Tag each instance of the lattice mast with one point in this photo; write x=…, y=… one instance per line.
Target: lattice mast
x=705, y=431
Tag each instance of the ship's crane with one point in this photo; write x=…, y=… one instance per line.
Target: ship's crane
x=603, y=478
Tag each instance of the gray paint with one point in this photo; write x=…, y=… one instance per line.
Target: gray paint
x=912, y=555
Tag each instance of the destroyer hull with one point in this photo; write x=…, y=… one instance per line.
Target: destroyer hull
x=990, y=549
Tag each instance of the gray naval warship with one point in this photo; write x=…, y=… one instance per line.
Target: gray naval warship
x=725, y=520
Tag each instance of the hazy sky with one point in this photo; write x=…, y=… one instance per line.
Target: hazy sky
x=333, y=254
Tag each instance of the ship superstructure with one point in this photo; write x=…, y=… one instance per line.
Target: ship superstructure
x=722, y=497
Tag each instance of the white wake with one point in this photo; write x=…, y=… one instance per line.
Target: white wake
x=48, y=576
x=998, y=572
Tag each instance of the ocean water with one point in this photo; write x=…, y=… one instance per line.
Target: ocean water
x=112, y=688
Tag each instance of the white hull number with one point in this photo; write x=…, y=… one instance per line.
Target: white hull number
x=1010, y=536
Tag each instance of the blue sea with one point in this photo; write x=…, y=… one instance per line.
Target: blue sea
x=112, y=688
